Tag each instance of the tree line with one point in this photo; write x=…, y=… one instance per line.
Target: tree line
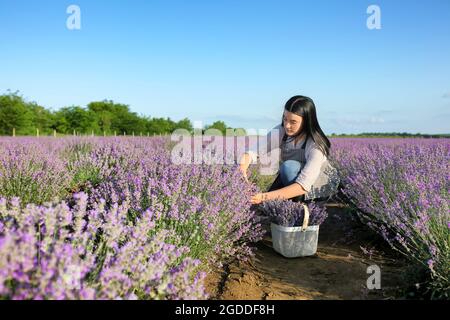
x=390, y=135
x=21, y=117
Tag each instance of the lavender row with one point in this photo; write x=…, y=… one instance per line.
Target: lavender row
x=129, y=222
x=401, y=188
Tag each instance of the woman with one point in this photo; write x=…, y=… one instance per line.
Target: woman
x=305, y=174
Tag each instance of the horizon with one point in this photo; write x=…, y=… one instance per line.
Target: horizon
x=237, y=62
x=204, y=125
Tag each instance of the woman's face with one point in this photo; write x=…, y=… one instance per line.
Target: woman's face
x=292, y=123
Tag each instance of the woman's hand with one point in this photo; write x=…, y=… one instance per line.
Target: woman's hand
x=258, y=198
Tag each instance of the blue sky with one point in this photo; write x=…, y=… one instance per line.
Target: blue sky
x=237, y=60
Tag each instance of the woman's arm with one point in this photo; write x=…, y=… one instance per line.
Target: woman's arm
x=308, y=175
x=311, y=171
x=291, y=191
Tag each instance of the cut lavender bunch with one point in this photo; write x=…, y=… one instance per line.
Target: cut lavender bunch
x=287, y=213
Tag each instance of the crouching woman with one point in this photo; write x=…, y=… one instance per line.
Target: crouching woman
x=305, y=173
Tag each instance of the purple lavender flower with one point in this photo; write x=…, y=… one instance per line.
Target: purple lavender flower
x=291, y=214
x=400, y=187
x=127, y=221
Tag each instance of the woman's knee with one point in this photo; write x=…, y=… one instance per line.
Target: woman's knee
x=289, y=170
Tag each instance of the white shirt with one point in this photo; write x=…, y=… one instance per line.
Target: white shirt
x=315, y=159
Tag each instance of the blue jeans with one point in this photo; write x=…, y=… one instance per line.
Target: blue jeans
x=289, y=170
x=287, y=174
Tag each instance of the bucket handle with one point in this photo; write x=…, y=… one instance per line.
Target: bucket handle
x=305, y=218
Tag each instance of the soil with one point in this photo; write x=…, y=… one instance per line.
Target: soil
x=337, y=271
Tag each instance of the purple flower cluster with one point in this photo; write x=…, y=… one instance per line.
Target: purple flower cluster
x=31, y=170
x=288, y=213
x=401, y=188
x=201, y=202
x=124, y=221
x=55, y=252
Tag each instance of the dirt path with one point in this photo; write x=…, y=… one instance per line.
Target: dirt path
x=337, y=271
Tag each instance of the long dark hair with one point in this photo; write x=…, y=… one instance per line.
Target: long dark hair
x=304, y=107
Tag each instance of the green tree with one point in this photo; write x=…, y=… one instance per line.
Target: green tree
x=60, y=123
x=219, y=125
x=106, y=113
x=184, y=124
x=99, y=116
x=160, y=125
x=130, y=122
x=41, y=118
x=14, y=114
x=79, y=119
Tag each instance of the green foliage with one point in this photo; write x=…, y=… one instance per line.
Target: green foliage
x=219, y=125
x=184, y=124
x=160, y=125
x=100, y=117
x=14, y=114
x=109, y=118
x=76, y=118
x=81, y=166
x=41, y=118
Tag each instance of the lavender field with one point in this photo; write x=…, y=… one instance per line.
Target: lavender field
x=115, y=218
x=401, y=190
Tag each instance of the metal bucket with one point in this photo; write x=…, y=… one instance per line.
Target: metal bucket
x=293, y=242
